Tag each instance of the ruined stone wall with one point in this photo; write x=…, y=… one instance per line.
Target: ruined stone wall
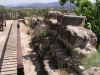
x=67, y=30
x=70, y=29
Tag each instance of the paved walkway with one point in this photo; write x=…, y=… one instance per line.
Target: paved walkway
x=8, y=50
x=4, y=34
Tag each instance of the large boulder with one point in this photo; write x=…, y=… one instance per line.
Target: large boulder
x=78, y=37
x=61, y=16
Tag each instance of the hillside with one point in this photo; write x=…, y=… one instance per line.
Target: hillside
x=1, y=6
x=46, y=5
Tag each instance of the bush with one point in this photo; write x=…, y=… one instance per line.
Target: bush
x=24, y=14
x=40, y=12
x=91, y=11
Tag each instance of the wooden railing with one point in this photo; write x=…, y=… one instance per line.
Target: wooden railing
x=20, y=66
x=11, y=15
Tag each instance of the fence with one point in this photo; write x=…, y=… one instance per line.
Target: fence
x=11, y=15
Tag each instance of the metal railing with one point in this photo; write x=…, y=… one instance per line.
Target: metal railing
x=20, y=66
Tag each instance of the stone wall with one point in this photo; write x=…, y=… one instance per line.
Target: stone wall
x=52, y=14
x=70, y=30
x=67, y=30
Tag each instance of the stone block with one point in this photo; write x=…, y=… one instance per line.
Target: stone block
x=77, y=36
x=73, y=20
x=52, y=14
x=59, y=18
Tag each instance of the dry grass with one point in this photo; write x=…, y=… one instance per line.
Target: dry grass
x=92, y=60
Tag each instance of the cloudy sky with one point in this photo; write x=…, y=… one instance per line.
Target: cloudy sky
x=7, y=2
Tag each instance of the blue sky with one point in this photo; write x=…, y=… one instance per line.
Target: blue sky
x=7, y=2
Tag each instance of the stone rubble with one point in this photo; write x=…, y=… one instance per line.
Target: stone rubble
x=69, y=30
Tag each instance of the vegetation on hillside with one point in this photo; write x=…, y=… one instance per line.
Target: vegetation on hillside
x=27, y=13
x=40, y=12
x=24, y=13
x=37, y=12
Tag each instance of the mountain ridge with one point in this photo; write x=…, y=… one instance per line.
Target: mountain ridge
x=46, y=5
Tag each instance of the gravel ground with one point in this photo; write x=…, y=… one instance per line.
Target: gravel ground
x=31, y=64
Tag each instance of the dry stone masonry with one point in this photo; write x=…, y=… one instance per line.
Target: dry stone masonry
x=66, y=43
x=70, y=30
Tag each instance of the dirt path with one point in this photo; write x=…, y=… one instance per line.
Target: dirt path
x=31, y=64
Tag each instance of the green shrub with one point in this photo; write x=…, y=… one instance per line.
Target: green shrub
x=24, y=14
x=40, y=12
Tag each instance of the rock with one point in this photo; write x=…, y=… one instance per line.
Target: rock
x=46, y=21
x=34, y=23
x=73, y=20
x=27, y=21
x=48, y=68
x=92, y=36
x=59, y=18
x=54, y=21
x=75, y=65
x=59, y=55
x=47, y=57
x=77, y=54
x=52, y=14
x=52, y=26
x=77, y=37
x=92, y=71
x=78, y=41
x=61, y=30
x=40, y=20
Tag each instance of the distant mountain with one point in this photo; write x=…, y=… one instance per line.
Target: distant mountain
x=18, y=4
x=1, y=6
x=4, y=7
x=45, y=5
